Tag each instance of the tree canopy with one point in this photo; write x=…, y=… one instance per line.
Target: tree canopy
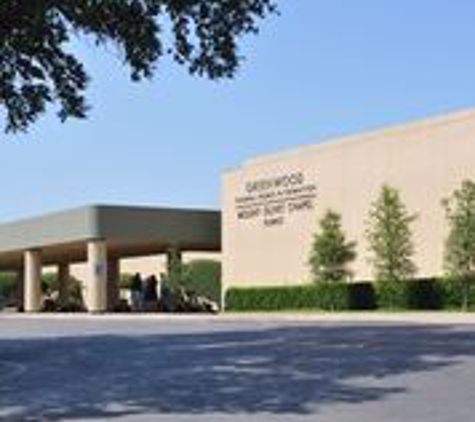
x=459, y=254
x=38, y=68
x=390, y=237
x=331, y=252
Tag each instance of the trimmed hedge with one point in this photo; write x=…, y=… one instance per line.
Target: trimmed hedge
x=451, y=292
x=413, y=294
x=423, y=294
x=362, y=296
x=270, y=298
x=319, y=296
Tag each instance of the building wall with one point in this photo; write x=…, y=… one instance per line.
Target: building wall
x=271, y=205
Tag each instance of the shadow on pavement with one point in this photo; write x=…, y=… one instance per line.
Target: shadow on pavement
x=289, y=370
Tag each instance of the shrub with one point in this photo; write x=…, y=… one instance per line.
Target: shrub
x=423, y=294
x=203, y=276
x=331, y=296
x=125, y=280
x=362, y=296
x=392, y=295
x=8, y=285
x=49, y=282
x=452, y=295
x=320, y=296
x=270, y=298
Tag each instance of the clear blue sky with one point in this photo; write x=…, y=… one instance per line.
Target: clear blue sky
x=323, y=68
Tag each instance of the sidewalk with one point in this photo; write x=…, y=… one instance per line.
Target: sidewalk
x=334, y=317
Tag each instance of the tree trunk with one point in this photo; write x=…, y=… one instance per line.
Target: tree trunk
x=465, y=293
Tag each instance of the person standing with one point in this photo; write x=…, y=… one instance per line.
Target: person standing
x=165, y=294
x=136, y=292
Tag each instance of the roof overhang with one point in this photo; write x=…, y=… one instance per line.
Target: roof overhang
x=128, y=232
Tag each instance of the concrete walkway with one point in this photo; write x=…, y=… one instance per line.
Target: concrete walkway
x=421, y=317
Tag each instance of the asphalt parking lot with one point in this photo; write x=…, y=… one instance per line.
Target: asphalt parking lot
x=232, y=369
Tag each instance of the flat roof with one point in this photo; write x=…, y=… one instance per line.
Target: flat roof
x=389, y=132
x=128, y=230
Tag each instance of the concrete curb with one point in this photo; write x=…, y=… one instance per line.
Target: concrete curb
x=350, y=317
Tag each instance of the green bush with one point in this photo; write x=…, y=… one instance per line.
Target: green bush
x=451, y=293
x=362, y=296
x=319, y=296
x=422, y=294
x=7, y=285
x=392, y=295
x=331, y=296
x=125, y=280
x=270, y=298
x=50, y=282
x=204, y=277
x=425, y=294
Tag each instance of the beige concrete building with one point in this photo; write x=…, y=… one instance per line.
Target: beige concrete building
x=271, y=204
x=101, y=238
x=270, y=210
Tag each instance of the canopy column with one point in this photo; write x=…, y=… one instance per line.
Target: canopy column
x=63, y=283
x=96, y=289
x=32, y=282
x=113, y=280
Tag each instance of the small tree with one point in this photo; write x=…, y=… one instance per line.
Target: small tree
x=331, y=253
x=203, y=276
x=459, y=254
x=390, y=238
x=175, y=266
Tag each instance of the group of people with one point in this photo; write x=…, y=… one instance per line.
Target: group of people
x=149, y=294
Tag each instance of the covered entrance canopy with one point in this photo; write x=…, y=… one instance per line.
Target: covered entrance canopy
x=100, y=235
